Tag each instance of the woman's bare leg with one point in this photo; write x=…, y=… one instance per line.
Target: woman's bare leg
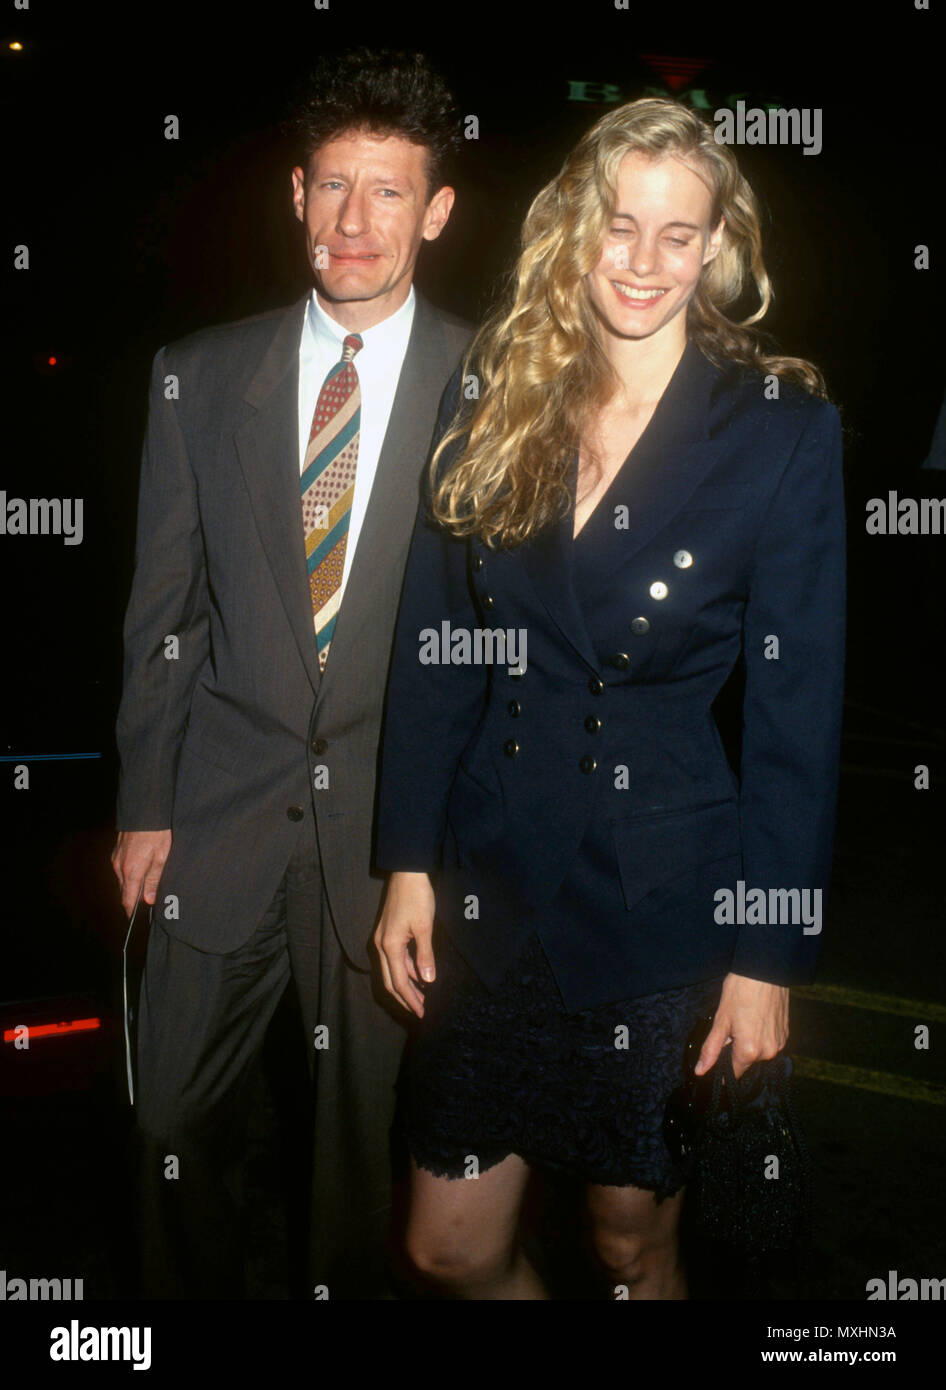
x=462, y=1233
x=637, y=1242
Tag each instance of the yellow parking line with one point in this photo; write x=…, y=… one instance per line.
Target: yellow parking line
x=877, y=1003
x=864, y=1080
x=897, y=774
x=889, y=717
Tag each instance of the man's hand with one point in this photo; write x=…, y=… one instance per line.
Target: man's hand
x=752, y=1015
x=140, y=855
x=408, y=916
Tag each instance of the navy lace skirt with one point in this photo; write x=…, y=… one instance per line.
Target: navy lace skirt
x=487, y=1074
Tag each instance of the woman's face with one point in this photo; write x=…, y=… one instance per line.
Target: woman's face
x=659, y=240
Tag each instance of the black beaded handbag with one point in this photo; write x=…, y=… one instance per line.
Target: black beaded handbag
x=742, y=1148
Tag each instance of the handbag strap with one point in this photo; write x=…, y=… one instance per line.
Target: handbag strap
x=736, y=1089
x=724, y=1075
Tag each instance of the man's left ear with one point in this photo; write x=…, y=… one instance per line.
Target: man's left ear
x=715, y=242
x=438, y=210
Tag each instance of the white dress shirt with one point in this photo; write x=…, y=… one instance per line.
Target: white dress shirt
x=378, y=364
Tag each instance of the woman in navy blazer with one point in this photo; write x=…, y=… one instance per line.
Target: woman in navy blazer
x=640, y=500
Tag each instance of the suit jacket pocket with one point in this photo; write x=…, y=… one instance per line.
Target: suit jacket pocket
x=198, y=744
x=652, y=849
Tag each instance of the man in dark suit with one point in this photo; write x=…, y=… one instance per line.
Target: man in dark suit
x=278, y=489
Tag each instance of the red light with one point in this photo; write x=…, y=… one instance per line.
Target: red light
x=52, y=361
x=676, y=72
x=45, y=1030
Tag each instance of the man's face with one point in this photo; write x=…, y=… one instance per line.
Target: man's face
x=363, y=203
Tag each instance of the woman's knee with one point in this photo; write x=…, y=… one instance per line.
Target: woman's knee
x=632, y=1245
x=622, y=1255
x=456, y=1258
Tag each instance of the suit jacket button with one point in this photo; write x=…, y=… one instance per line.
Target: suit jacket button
x=639, y=626
x=683, y=559
x=588, y=763
x=319, y=745
x=295, y=813
x=510, y=748
x=658, y=589
x=488, y=602
x=477, y=562
x=592, y=724
x=620, y=661
x=596, y=685
x=514, y=708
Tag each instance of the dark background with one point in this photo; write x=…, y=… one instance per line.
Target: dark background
x=135, y=240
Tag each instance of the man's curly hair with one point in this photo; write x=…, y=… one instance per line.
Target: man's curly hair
x=386, y=92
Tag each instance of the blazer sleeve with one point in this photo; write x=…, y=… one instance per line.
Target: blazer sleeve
x=430, y=710
x=169, y=598
x=792, y=703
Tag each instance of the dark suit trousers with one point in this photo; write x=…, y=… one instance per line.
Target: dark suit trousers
x=202, y=1021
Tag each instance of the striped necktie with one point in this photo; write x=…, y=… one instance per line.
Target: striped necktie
x=328, y=487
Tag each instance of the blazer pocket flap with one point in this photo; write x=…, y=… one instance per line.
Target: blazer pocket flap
x=474, y=815
x=652, y=849
x=471, y=803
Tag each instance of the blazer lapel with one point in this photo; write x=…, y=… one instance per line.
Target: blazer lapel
x=677, y=450
x=268, y=449
x=669, y=461
x=548, y=560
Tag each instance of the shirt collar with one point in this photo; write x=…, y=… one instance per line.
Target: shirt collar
x=331, y=334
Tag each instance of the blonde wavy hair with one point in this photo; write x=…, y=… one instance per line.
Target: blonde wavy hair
x=542, y=372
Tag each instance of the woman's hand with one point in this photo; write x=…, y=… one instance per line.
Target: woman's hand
x=752, y=1015
x=408, y=916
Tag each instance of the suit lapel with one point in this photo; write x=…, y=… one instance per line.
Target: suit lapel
x=268, y=449
x=669, y=461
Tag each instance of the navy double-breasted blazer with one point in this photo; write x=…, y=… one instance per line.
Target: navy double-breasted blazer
x=590, y=798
